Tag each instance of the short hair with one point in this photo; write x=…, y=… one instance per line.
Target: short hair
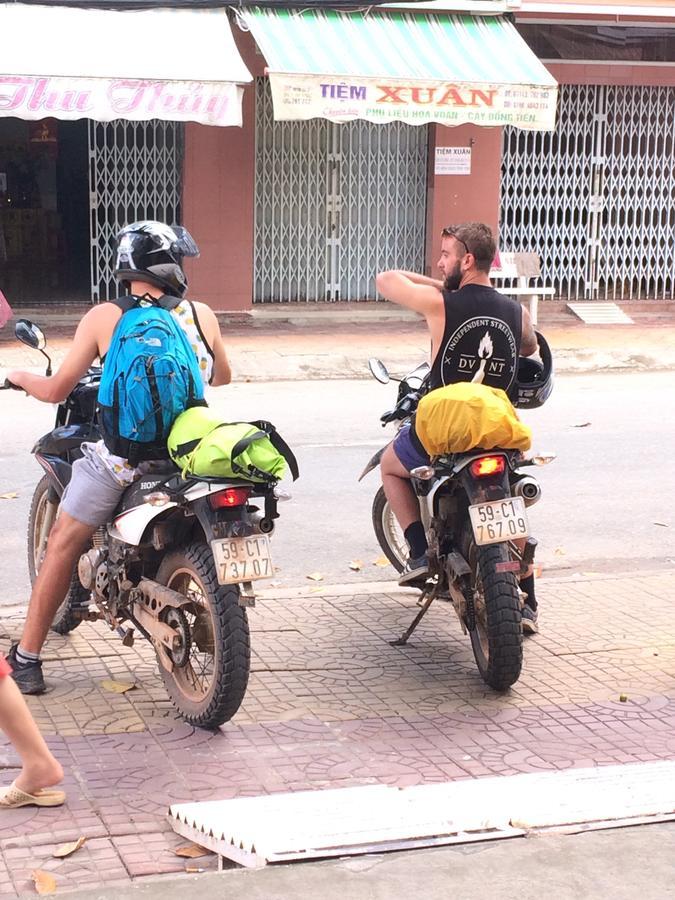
x=477, y=239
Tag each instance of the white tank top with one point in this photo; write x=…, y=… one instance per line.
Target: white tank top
x=187, y=317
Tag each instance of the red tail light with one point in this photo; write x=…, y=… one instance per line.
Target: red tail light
x=487, y=465
x=234, y=496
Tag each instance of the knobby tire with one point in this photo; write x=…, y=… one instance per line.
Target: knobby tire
x=74, y=608
x=231, y=641
x=501, y=632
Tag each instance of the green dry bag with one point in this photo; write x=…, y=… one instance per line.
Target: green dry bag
x=202, y=445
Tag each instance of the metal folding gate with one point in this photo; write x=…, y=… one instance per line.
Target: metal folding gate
x=596, y=198
x=135, y=172
x=335, y=204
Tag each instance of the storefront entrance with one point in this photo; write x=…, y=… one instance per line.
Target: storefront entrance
x=596, y=197
x=335, y=204
x=44, y=211
x=66, y=188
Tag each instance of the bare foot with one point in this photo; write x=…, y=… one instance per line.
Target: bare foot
x=42, y=773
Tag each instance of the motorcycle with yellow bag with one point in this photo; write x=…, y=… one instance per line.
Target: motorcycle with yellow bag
x=473, y=500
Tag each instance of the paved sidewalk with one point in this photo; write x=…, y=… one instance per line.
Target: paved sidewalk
x=332, y=704
x=335, y=341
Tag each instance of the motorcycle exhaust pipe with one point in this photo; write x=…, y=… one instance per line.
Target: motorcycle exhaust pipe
x=527, y=488
x=263, y=523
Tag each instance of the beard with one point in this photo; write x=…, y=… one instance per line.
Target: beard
x=453, y=279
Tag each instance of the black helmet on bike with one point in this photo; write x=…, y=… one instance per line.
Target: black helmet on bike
x=534, y=379
x=153, y=252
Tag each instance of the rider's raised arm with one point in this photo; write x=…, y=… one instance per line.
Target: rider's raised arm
x=417, y=278
x=417, y=292
x=83, y=351
x=528, y=341
x=222, y=373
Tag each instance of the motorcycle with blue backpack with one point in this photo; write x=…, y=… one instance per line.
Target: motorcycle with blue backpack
x=473, y=498
x=177, y=563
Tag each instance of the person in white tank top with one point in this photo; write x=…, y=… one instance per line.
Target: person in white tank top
x=149, y=263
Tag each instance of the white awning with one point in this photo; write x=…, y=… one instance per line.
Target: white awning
x=174, y=64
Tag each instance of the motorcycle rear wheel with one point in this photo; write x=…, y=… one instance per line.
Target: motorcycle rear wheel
x=41, y=518
x=209, y=688
x=497, y=639
x=388, y=532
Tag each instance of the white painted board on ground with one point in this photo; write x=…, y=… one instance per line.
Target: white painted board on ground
x=254, y=831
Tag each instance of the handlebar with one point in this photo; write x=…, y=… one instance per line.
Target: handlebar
x=405, y=407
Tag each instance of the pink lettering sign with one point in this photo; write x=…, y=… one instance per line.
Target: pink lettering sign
x=36, y=97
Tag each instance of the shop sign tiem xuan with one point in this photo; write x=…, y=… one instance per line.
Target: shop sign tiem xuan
x=306, y=97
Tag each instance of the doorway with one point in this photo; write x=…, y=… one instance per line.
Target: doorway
x=44, y=211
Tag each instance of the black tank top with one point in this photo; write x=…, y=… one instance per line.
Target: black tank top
x=482, y=336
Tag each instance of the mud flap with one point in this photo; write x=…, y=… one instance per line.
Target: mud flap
x=373, y=463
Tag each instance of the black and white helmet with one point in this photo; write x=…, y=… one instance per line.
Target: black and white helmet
x=153, y=252
x=534, y=379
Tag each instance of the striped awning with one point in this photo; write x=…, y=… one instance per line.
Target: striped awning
x=401, y=66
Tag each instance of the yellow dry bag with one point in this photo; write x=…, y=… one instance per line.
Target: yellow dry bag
x=463, y=416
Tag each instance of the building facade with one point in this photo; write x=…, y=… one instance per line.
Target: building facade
x=308, y=210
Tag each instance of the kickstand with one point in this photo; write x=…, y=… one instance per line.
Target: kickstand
x=427, y=593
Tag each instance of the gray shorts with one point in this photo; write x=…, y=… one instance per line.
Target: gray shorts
x=93, y=493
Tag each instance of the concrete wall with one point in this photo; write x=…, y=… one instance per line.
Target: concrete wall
x=463, y=198
x=612, y=73
x=218, y=201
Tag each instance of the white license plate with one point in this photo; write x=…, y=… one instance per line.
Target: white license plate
x=242, y=558
x=499, y=520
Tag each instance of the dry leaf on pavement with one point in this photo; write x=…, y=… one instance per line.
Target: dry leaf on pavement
x=581, y=425
x=381, y=561
x=356, y=565
x=662, y=524
x=66, y=849
x=11, y=495
x=118, y=687
x=559, y=551
x=44, y=882
x=315, y=576
x=192, y=851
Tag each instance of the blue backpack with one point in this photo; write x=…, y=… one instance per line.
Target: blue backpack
x=150, y=376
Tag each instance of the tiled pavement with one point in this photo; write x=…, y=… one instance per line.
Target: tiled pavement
x=331, y=703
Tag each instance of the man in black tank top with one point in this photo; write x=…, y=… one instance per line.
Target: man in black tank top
x=481, y=338
x=477, y=334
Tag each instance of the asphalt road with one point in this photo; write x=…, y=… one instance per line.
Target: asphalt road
x=608, y=498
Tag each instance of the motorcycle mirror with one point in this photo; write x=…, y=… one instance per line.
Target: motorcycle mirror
x=32, y=335
x=378, y=370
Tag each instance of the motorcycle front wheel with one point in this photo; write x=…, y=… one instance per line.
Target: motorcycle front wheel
x=497, y=639
x=388, y=532
x=43, y=510
x=210, y=674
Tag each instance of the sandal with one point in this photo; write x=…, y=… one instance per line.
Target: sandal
x=13, y=797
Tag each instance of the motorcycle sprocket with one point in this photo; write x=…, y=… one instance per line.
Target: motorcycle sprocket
x=176, y=619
